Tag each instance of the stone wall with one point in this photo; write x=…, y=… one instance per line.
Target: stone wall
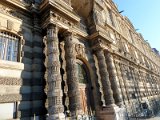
x=122, y=68
x=22, y=82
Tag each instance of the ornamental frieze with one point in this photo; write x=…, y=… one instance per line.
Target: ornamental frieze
x=59, y=18
x=14, y=81
x=10, y=98
x=10, y=81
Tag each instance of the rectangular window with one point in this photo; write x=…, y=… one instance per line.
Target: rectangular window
x=131, y=36
x=8, y=46
x=110, y=20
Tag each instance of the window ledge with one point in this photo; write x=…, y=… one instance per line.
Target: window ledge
x=11, y=65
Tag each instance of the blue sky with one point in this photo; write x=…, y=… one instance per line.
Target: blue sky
x=145, y=16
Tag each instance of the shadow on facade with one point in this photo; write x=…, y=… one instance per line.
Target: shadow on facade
x=32, y=91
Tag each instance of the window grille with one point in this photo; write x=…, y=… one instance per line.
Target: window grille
x=8, y=46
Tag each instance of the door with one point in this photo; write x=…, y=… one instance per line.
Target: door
x=85, y=90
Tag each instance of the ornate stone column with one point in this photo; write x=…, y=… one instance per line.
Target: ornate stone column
x=55, y=107
x=113, y=78
x=72, y=76
x=108, y=95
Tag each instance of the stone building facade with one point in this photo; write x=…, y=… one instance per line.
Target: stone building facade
x=63, y=59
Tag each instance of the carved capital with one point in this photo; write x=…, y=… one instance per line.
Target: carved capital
x=52, y=31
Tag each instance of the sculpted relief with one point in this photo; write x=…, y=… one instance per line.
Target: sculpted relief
x=80, y=50
x=98, y=17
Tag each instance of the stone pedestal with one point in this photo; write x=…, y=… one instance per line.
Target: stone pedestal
x=109, y=82
x=111, y=112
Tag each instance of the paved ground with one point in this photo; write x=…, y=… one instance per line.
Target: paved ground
x=157, y=117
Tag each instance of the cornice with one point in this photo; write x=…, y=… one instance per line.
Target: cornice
x=60, y=6
x=125, y=38
x=100, y=34
x=133, y=62
x=18, y=4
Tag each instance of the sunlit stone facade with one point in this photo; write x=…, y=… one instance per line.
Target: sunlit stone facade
x=69, y=59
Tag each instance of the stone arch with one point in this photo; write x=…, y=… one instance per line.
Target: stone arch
x=85, y=61
x=90, y=77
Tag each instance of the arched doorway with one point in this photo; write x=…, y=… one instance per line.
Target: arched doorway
x=85, y=89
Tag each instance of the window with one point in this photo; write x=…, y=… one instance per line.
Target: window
x=128, y=75
x=110, y=18
x=82, y=74
x=126, y=47
x=8, y=46
x=136, y=54
x=131, y=36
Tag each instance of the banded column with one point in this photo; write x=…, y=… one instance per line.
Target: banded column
x=55, y=107
x=122, y=68
x=72, y=76
x=37, y=69
x=108, y=94
x=113, y=78
x=121, y=81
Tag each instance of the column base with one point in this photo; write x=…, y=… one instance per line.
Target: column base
x=76, y=114
x=59, y=116
x=111, y=112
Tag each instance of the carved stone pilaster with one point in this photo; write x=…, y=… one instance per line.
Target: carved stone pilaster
x=72, y=76
x=55, y=107
x=108, y=95
x=113, y=78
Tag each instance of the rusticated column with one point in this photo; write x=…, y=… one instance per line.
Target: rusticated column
x=125, y=81
x=55, y=107
x=108, y=94
x=113, y=78
x=121, y=81
x=72, y=76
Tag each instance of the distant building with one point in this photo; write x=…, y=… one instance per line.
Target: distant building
x=63, y=59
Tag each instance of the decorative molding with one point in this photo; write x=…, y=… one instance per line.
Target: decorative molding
x=14, y=13
x=10, y=98
x=10, y=25
x=14, y=81
x=10, y=81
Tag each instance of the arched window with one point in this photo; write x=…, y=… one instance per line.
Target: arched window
x=8, y=46
x=82, y=74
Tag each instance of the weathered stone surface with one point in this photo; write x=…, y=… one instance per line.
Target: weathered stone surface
x=53, y=68
x=129, y=74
